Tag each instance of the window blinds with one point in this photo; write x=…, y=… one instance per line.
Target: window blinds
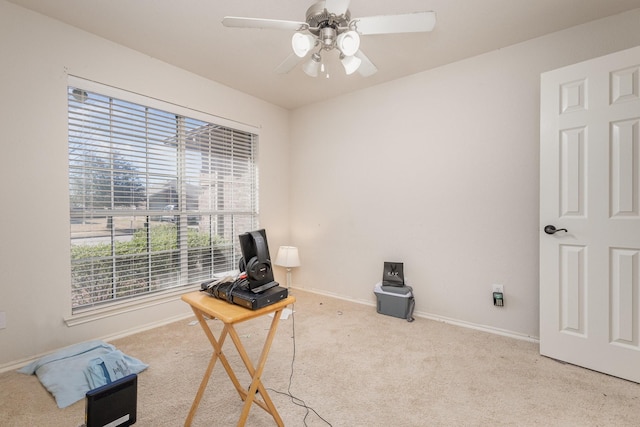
x=157, y=199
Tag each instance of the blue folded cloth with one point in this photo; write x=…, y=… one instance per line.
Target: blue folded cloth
x=109, y=367
x=72, y=371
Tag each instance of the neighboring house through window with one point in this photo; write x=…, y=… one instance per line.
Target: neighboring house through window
x=158, y=194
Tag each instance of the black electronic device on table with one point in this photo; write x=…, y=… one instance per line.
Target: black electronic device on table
x=256, y=261
x=114, y=404
x=240, y=295
x=254, y=287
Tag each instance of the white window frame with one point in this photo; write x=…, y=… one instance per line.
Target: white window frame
x=204, y=136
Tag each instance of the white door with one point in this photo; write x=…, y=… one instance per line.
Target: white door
x=590, y=186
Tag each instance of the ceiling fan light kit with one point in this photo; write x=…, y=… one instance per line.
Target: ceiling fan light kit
x=328, y=26
x=350, y=63
x=348, y=43
x=302, y=44
x=312, y=66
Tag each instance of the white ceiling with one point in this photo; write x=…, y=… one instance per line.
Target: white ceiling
x=189, y=35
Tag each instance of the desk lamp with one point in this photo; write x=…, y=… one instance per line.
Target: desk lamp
x=288, y=258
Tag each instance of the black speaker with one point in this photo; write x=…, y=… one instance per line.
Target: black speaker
x=256, y=260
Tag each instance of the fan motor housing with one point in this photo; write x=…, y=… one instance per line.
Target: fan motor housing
x=318, y=17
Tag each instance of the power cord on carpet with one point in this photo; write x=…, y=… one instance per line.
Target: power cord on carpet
x=296, y=400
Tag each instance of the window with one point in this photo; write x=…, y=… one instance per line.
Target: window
x=157, y=198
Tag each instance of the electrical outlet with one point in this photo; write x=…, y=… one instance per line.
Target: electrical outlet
x=498, y=295
x=3, y=319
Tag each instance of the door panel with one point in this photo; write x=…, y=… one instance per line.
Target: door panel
x=572, y=289
x=590, y=185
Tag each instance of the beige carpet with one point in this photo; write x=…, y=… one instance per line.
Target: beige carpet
x=355, y=368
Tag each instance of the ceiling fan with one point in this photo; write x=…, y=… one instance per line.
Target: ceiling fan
x=328, y=27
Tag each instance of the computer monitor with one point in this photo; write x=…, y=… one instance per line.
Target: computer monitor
x=114, y=404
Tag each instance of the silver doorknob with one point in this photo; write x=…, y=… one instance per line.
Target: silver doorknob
x=550, y=229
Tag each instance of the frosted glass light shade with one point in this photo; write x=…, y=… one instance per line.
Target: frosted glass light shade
x=288, y=257
x=312, y=66
x=348, y=43
x=302, y=44
x=350, y=63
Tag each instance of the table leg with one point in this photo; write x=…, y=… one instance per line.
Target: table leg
x=256, y=382
x=249, y=397
x=217, y=354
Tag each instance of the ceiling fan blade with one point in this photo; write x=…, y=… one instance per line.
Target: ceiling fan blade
x=366, y=68
x=269, y=24
x=339, y=7
x=288, y=64
x=387, y=24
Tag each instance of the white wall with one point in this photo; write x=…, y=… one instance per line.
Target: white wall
x=37, y=54
x=438, y=170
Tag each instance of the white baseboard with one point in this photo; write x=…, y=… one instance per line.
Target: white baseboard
x=17, y=364
x=483, y=328
x=435, y=317
x=146, y=327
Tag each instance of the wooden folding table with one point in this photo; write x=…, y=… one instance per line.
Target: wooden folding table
x=203, y=305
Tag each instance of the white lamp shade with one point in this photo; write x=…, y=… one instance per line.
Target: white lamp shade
x=302, y=44
x=288, y=257
x=348, y=43
x=312, y=66
x=350, y=64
